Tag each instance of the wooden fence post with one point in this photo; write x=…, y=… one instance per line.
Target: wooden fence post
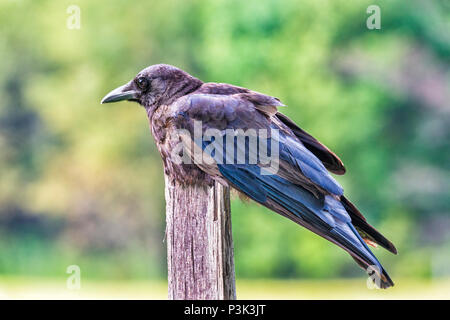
x=199, y=242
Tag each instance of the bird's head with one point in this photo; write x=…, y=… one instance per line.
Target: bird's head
x=154, y=86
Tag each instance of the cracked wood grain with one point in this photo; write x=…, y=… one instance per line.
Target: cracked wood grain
x=200, y=252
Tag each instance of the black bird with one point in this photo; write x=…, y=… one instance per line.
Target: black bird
x=300, y=188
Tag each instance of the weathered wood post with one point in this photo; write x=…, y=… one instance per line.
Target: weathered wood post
x=199, y=242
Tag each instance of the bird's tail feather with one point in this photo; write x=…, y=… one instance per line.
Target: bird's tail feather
x=367, y=232
x=326, y=217
x=349, y=239
x=343, y=233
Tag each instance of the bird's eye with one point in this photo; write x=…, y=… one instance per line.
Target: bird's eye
x=142, y=83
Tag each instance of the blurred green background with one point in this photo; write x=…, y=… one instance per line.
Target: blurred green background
x=82, y=183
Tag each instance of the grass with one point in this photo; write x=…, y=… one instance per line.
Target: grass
x=42, y=288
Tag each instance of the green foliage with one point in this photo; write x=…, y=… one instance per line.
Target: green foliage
x=86, y=179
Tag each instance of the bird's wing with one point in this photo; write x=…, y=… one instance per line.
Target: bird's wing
x=269, y=105
x=301, y=189
x=329, y=159
x=248, y=112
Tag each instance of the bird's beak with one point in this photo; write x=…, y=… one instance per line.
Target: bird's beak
x=124, y=92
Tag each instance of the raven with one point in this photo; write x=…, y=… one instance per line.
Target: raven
x=300, y=188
